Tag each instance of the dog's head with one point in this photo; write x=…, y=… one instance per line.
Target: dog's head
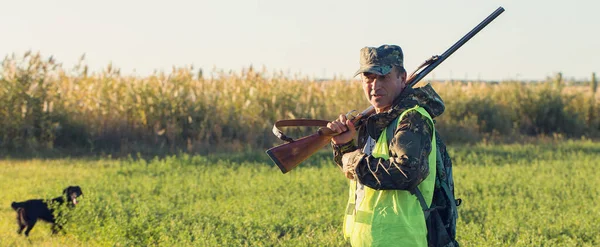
x=72, y=192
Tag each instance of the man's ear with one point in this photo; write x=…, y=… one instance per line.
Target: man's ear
x=403, y=75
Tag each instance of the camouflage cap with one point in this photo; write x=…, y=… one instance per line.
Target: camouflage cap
x=379, y=60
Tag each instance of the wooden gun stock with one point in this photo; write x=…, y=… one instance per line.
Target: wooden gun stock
x=289, y=155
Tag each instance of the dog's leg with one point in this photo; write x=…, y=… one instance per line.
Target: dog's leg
x=21, y=227
x=30, y=225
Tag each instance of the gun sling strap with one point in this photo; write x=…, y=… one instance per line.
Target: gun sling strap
x=295, y=123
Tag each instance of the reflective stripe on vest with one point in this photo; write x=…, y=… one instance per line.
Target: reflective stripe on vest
x=390, y=217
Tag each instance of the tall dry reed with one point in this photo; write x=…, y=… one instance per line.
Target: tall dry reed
x=44, y=106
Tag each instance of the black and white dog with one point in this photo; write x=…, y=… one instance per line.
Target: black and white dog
x=29, y=212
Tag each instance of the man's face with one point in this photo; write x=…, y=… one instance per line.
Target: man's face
x=381, y=90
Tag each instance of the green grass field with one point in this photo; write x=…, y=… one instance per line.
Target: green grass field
x=513, y=195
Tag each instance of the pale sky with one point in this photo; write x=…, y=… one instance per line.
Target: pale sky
x=531, y=40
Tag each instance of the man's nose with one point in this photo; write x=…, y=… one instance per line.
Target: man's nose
x=376, y=83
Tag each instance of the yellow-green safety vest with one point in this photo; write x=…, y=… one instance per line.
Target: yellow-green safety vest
x=390, y=217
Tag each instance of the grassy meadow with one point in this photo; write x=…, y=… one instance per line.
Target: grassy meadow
x=214, y=186
x=513, y=195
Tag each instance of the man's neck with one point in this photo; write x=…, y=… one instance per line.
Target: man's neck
x=403, y=94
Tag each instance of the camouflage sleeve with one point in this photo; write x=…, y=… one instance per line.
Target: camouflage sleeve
x=408, y=163
x=340, y=150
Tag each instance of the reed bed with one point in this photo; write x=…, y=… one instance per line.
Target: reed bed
x=44, y=106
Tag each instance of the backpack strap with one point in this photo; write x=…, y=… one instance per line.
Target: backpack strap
x=419, y=195
x=442, y=170
x=449, y=195
x=444, y=188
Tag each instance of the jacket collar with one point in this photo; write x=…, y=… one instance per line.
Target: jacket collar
x=378, y=121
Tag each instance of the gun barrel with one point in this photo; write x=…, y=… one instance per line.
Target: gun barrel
x=456, y=46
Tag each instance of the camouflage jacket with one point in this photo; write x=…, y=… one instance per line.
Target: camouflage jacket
x=409, y=148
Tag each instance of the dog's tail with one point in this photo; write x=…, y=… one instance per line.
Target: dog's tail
x=20, y=212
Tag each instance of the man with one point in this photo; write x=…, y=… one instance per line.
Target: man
x=394, y=156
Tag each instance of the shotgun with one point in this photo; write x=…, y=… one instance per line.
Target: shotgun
x=289, y=155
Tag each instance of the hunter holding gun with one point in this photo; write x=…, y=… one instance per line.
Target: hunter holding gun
x=393, y=156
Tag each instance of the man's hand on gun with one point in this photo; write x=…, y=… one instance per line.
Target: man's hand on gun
x=346, y=132
x=345, y=129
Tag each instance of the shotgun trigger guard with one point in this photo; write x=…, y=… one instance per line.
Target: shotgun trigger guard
x=351, y=115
